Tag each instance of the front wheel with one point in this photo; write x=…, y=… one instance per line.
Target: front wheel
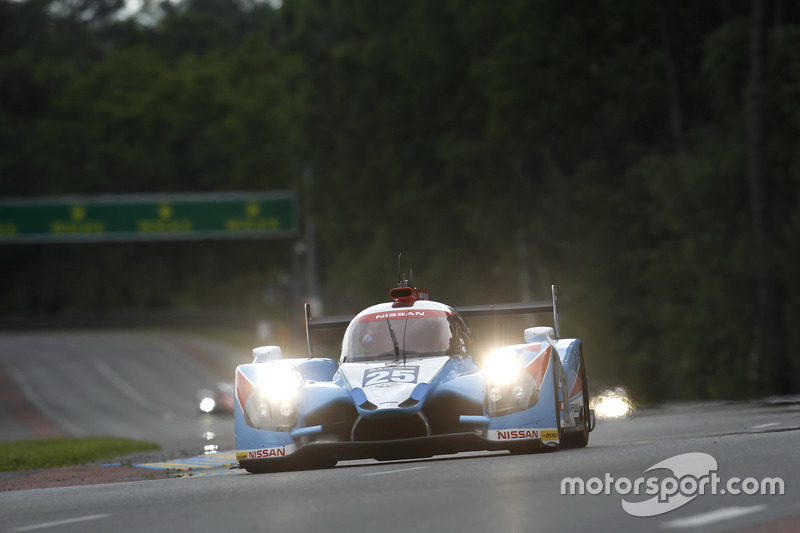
x=580, y=438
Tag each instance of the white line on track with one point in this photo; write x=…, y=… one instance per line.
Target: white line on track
x=711, y=517
x=120, y=383
x=124, y=386
x=42, y=406
x=44, y=525
x=393, y=471
x=767, y=425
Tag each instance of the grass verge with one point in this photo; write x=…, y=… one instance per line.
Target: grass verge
x=49, y=453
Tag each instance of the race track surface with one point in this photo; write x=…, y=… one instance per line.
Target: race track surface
x=140, y=383
x=136, y=385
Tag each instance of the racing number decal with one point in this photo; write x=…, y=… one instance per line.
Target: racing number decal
x=378, y=376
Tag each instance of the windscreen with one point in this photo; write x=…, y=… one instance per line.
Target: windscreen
x=418, y=333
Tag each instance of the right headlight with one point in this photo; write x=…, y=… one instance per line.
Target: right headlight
x=279, y=382
x=273, y=406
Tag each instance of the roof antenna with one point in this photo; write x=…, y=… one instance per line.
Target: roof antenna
x=399, y=274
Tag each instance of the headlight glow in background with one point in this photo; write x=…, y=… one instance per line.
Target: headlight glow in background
x=207, y=404
x=611, y=403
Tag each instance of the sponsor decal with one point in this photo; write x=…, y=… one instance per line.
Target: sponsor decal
x=392, y=315
x=521, y=433
x=382, y=316
x=263, y=453
x=513, y=434
x=549, y=434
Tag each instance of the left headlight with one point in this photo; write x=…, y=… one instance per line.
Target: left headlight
x=509, y=387
x=502, y=367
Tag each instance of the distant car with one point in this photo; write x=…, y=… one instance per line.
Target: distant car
x=408, y=384
x=218, y=400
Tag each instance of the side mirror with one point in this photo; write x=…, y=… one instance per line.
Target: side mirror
x=262, y=354
x=538, y=333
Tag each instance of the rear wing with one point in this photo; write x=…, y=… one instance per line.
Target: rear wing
x=519, y=308
x=322, y=322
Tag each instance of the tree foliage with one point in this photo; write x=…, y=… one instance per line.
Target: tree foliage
x=502, y=147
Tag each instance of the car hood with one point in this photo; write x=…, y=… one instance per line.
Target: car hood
x=378, y=386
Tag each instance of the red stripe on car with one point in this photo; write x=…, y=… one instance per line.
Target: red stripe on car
x=538, y=367
x=244, y=388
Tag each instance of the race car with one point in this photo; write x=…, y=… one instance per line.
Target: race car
x=409, y=384
x=217, y=400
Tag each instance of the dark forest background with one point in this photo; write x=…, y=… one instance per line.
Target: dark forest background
x=640, y=155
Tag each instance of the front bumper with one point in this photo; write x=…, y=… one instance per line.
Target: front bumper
x=383, y=450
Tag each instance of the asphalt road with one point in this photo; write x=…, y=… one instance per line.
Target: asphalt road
x=135, y=385
x=750, y=444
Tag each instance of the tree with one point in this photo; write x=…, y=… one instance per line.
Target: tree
x=674, y=64
x=771, y=348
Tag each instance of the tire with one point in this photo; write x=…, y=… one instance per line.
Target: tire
x=556, y=361
x=581, y=438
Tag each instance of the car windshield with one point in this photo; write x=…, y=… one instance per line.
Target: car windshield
x=422, y=333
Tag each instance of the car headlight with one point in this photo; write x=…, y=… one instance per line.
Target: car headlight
x=207, y=404
x=509, y=387
x=274, y=405
x=502, y=367
x=279, y=383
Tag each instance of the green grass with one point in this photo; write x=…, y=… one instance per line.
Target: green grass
x=49, y=453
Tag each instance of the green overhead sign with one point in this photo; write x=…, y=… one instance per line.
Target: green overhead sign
x=149, y=217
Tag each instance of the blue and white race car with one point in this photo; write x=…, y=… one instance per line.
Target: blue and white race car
x=408, y=384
